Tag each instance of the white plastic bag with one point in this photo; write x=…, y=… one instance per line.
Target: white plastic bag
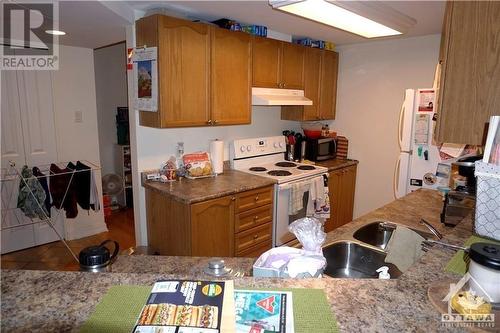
x=309, y=232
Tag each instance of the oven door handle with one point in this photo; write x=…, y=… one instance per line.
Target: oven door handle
x=287, y=186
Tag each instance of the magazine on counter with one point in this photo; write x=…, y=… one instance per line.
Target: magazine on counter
x=263, y=311
x=191, y=306
x=185, y=306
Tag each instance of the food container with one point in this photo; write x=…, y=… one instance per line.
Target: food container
x=484, y=269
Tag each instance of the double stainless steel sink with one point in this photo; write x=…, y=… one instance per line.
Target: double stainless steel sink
x=362, y=255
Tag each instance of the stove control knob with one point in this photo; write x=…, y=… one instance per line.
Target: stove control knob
x=276, y=145
x=249, y=148
x=242, y=149
x=281, y=145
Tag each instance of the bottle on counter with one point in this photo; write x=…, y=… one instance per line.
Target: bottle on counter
x=323, y=131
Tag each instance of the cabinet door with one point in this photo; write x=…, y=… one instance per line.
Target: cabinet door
x=212, y=227
x=231, y=77
x=335, y=193
x=347, y=195
x=470, y=77
x=184, y=69
x=266, y=55
x=312, y=67
x=292, y=66
x=37, y=117
x=328, y=85
x=12, y=133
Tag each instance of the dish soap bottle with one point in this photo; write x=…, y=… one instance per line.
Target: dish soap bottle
x=383, y=273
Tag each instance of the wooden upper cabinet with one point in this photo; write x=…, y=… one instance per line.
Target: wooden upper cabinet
x=266, y=56
x=277, y=64
x=320, y=86
x=469, y=89
x=212, y=227
x=183, y=71
x=204, y=73
x=292, y=66
x=231, y=77
x=328, y=85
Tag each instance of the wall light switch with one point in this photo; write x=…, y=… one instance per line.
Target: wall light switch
x=78, y=116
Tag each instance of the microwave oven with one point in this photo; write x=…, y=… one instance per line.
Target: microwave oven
x=321, y=149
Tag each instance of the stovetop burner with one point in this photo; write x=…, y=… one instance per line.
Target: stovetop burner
x=257, y=169
x=279, y=172
x=306, y=167
x=285, y=164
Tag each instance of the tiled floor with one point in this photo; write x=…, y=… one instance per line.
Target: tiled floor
x=55, y=256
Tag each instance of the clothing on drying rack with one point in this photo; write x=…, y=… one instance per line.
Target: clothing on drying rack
x=61, y=182
x=43, y=181
x=85, y=187
x=31, y=196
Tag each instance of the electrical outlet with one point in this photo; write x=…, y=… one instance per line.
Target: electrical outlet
x=78, y=116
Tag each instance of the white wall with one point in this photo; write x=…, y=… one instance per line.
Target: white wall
x=74, y=90
x=372, y=80
x=111, y=92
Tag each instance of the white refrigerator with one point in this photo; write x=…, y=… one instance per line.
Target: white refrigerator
x=419, y=164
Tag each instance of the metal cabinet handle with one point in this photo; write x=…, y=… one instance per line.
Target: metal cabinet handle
x=255, y=237
x=256, y=218
x=215, y=122
x=257, y=198
x=233, y=198
x=209, y=121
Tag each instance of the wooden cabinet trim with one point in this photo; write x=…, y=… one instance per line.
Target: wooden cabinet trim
x=256, y=250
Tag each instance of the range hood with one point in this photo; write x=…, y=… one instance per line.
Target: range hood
x=270, y=96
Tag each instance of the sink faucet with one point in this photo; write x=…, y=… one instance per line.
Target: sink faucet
x=431, y=228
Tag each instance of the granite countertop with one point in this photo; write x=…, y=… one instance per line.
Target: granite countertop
x=196, y=190
x=229, y=182
x=337, y=163
x=62, y=301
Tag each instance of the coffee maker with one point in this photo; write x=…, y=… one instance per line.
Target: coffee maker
x=460, y=201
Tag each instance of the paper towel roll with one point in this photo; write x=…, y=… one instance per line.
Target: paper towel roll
x=217, y=155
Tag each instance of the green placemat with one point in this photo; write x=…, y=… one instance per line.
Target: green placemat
x=457, y=264
x=120, y=307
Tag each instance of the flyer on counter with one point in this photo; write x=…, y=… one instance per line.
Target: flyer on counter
x=188, y=306
x=263, y=311
x=146, y=76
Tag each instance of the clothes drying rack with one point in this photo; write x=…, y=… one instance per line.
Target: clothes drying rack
x=12, y=174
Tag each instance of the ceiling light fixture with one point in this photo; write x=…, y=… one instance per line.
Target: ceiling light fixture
x=349, y=16
x=55, y=32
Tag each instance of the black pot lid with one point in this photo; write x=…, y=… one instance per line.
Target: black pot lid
x=486, y=254
x=94, y=255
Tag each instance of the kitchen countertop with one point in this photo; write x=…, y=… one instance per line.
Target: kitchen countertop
x=229, y=182
x=337, y=163
x=62, y=301
x=197, y=190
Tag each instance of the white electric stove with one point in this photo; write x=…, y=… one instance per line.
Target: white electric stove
x=265, y=157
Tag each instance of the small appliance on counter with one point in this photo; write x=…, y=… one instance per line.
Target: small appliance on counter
x=461, y=200
x=321, y=149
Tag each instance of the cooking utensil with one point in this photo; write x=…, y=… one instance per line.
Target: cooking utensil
x=97, y=258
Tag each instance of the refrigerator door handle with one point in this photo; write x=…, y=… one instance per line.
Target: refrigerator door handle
x=395, y=184
x=400, y=126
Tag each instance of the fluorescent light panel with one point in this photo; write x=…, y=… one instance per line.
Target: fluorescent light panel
x=330, y=14
x=55, y=32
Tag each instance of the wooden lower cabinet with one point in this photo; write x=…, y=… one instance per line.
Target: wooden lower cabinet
x=341, y=187
x=212, y=227
x=235, y=225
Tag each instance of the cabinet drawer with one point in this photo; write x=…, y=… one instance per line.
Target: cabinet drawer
x=253, y=218
x=254, y=198
x=256, y=250
x=251, y=237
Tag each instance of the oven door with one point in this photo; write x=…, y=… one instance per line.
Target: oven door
x=282, y=219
